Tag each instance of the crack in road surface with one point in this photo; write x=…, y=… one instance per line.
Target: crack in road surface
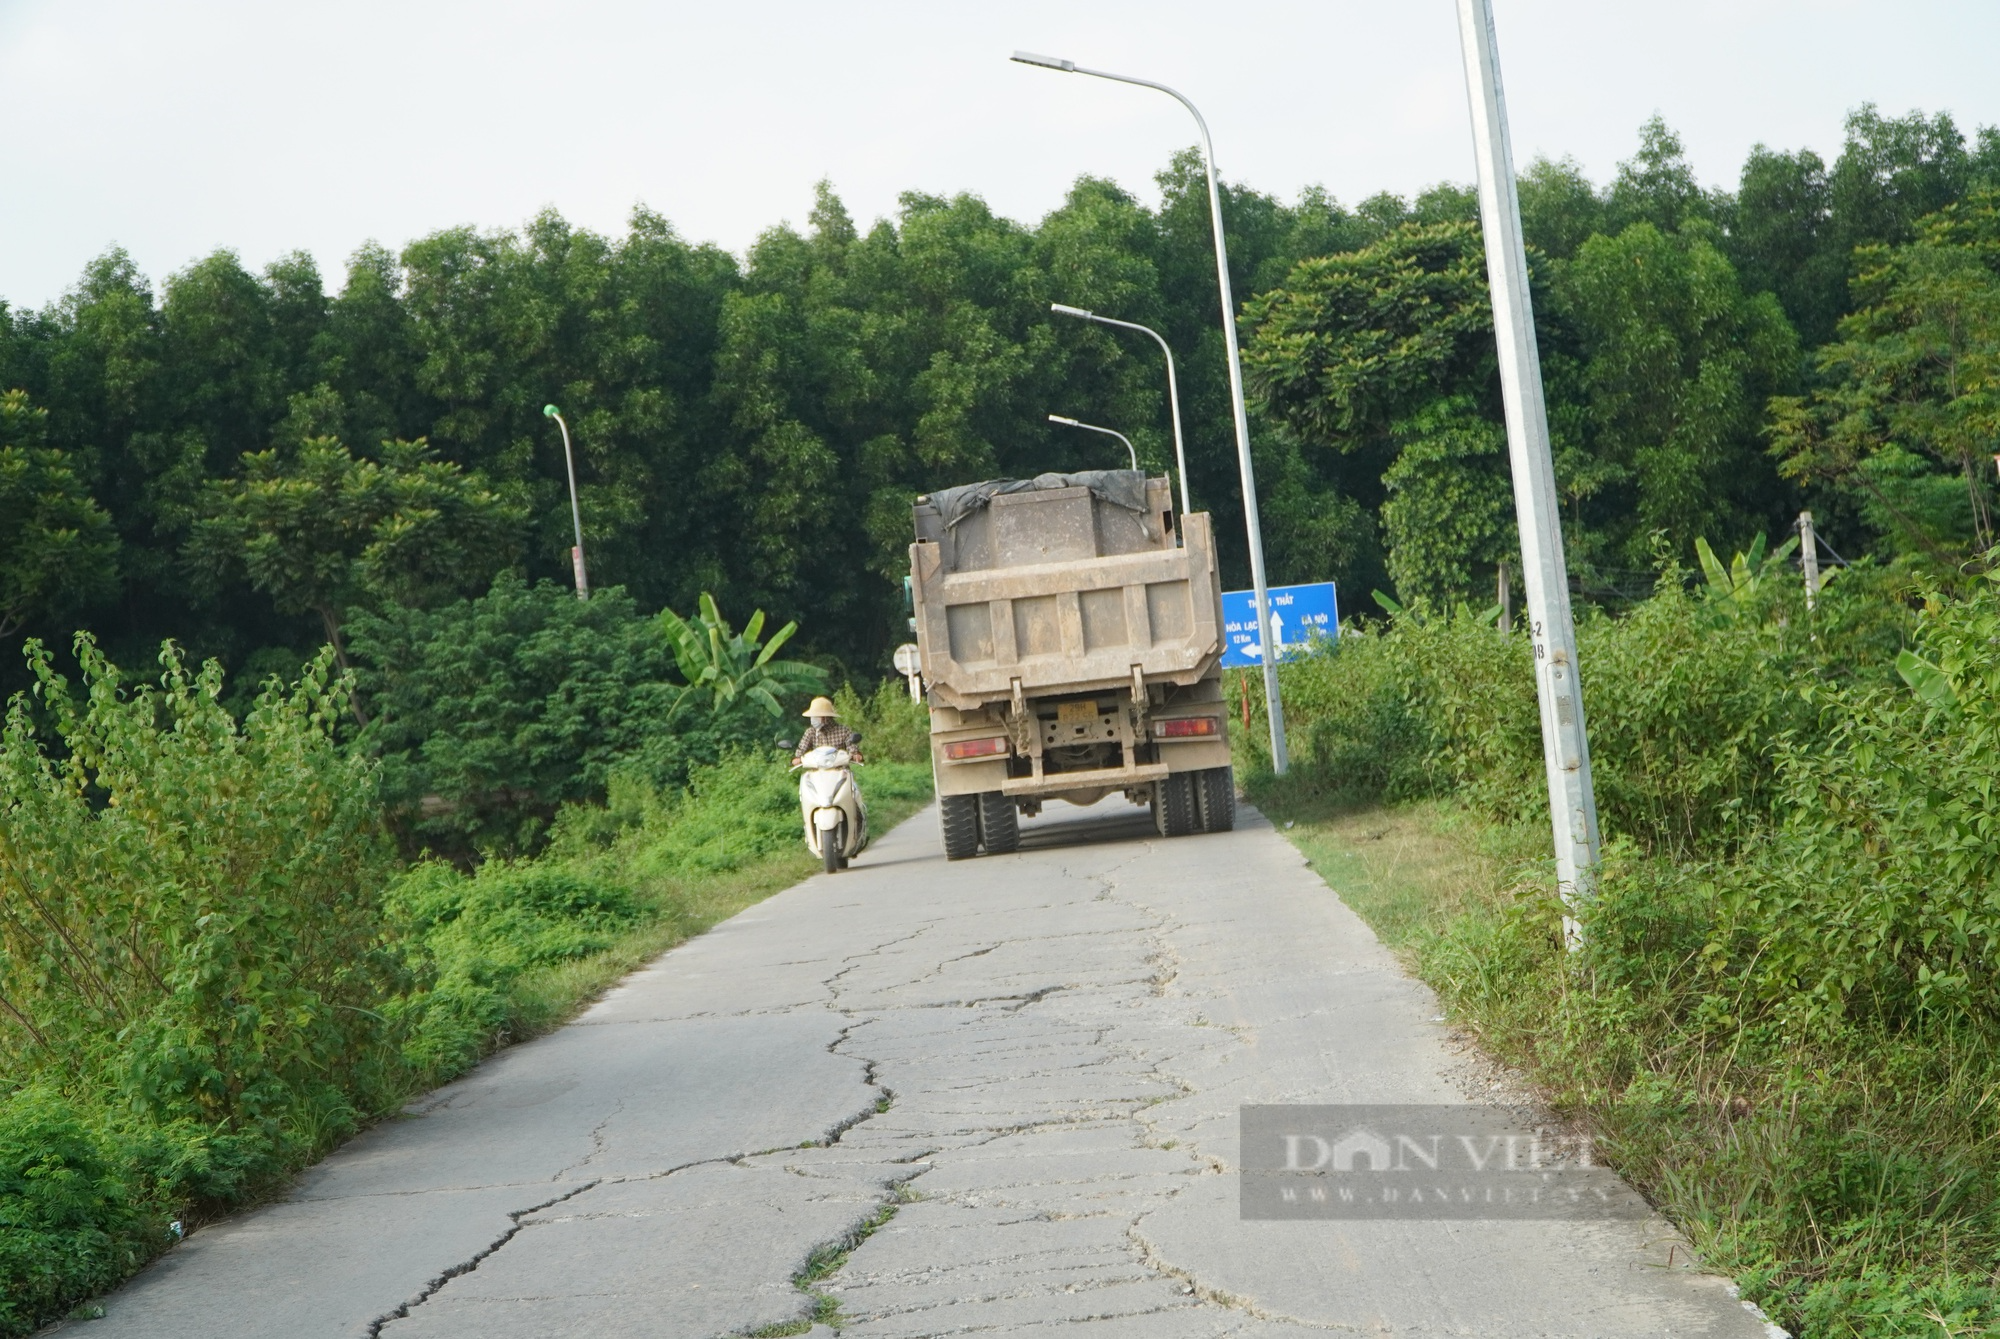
x=467, y=1266
x=998, y=1096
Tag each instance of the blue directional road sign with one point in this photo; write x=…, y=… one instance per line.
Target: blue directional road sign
x=1297, y=612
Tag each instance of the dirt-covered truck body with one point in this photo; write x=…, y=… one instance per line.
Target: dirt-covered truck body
x=1069, y=630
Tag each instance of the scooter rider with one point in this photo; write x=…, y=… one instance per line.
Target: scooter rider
x=826, y=731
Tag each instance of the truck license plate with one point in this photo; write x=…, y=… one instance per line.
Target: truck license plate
x=1076, y=713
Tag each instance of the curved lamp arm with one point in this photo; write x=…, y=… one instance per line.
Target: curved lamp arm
x=1173, y=385
x=1108, y=432
x=575, y=509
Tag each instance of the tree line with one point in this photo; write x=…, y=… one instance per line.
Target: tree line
x=241, y=461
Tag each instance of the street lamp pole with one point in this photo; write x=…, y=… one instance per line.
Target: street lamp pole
x=1279, y=760
x=575, y=510
x=1173, y=387
x=1108, y=432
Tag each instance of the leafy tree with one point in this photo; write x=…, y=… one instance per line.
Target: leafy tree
x=1314, y=527
x=1384, y=356
x=1449, y=515
x=1559, y=207
x=320, y=530
x=1679, y=363
x=1797, y=223
x=1916, y=374
x=58, y=549
x=1657, y=184
x=1353, y=342
x=1893, y=172
x=221, y=361
x=1781, y=238
x=365, y=353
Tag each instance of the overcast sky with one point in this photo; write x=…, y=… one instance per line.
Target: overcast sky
x=174, y=129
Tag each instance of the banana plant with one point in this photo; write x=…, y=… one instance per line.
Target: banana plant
x=724, y=668
x=1735, y=587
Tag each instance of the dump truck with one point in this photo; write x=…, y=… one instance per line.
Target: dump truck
x=1069, y=637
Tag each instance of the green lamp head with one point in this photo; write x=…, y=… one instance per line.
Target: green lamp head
x=550, y=411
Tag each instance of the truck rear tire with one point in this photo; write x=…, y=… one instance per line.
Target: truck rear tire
x=999, y=823
x=958, y=818
x=1173, y=805
x=1215, y=798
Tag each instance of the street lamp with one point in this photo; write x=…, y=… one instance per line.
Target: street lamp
x=1279, y=760
x=1108, y=432
x=1173, y=387
x=575, y=511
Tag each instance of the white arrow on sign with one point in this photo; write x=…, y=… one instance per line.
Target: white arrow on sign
x=1255, y=650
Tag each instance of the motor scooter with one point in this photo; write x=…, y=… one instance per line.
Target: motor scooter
x=836, y=820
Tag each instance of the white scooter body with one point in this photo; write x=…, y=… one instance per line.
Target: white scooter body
x=836, y=821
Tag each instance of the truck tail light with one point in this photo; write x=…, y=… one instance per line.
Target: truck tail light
x=1187, y=727
x=976, y=748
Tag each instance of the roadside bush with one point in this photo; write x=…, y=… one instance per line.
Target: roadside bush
x=731, y=815
x=189, y=917
x=70, y=1224
x=191, y=958
x=490, y=714
x=894, y=726
x=1878, y=897
x=1688, y=699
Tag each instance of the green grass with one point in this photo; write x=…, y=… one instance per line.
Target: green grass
x=1405, y=869
x=827, y=1258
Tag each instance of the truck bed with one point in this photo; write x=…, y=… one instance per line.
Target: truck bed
x=1056, y=590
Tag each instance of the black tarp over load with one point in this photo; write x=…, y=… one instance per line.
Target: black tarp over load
x=1121, y=488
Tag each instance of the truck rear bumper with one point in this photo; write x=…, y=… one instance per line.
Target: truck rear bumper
x=1099, y=778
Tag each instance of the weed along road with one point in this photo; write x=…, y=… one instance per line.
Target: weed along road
x=925, y=1098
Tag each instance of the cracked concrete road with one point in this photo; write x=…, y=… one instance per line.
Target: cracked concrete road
x=1036, y=1059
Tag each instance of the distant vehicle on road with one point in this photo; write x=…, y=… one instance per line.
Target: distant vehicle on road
x=1070, y=634
x=836, y=821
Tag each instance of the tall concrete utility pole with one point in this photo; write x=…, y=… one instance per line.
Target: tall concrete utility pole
x=1809, y=558
x=1544, y=576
